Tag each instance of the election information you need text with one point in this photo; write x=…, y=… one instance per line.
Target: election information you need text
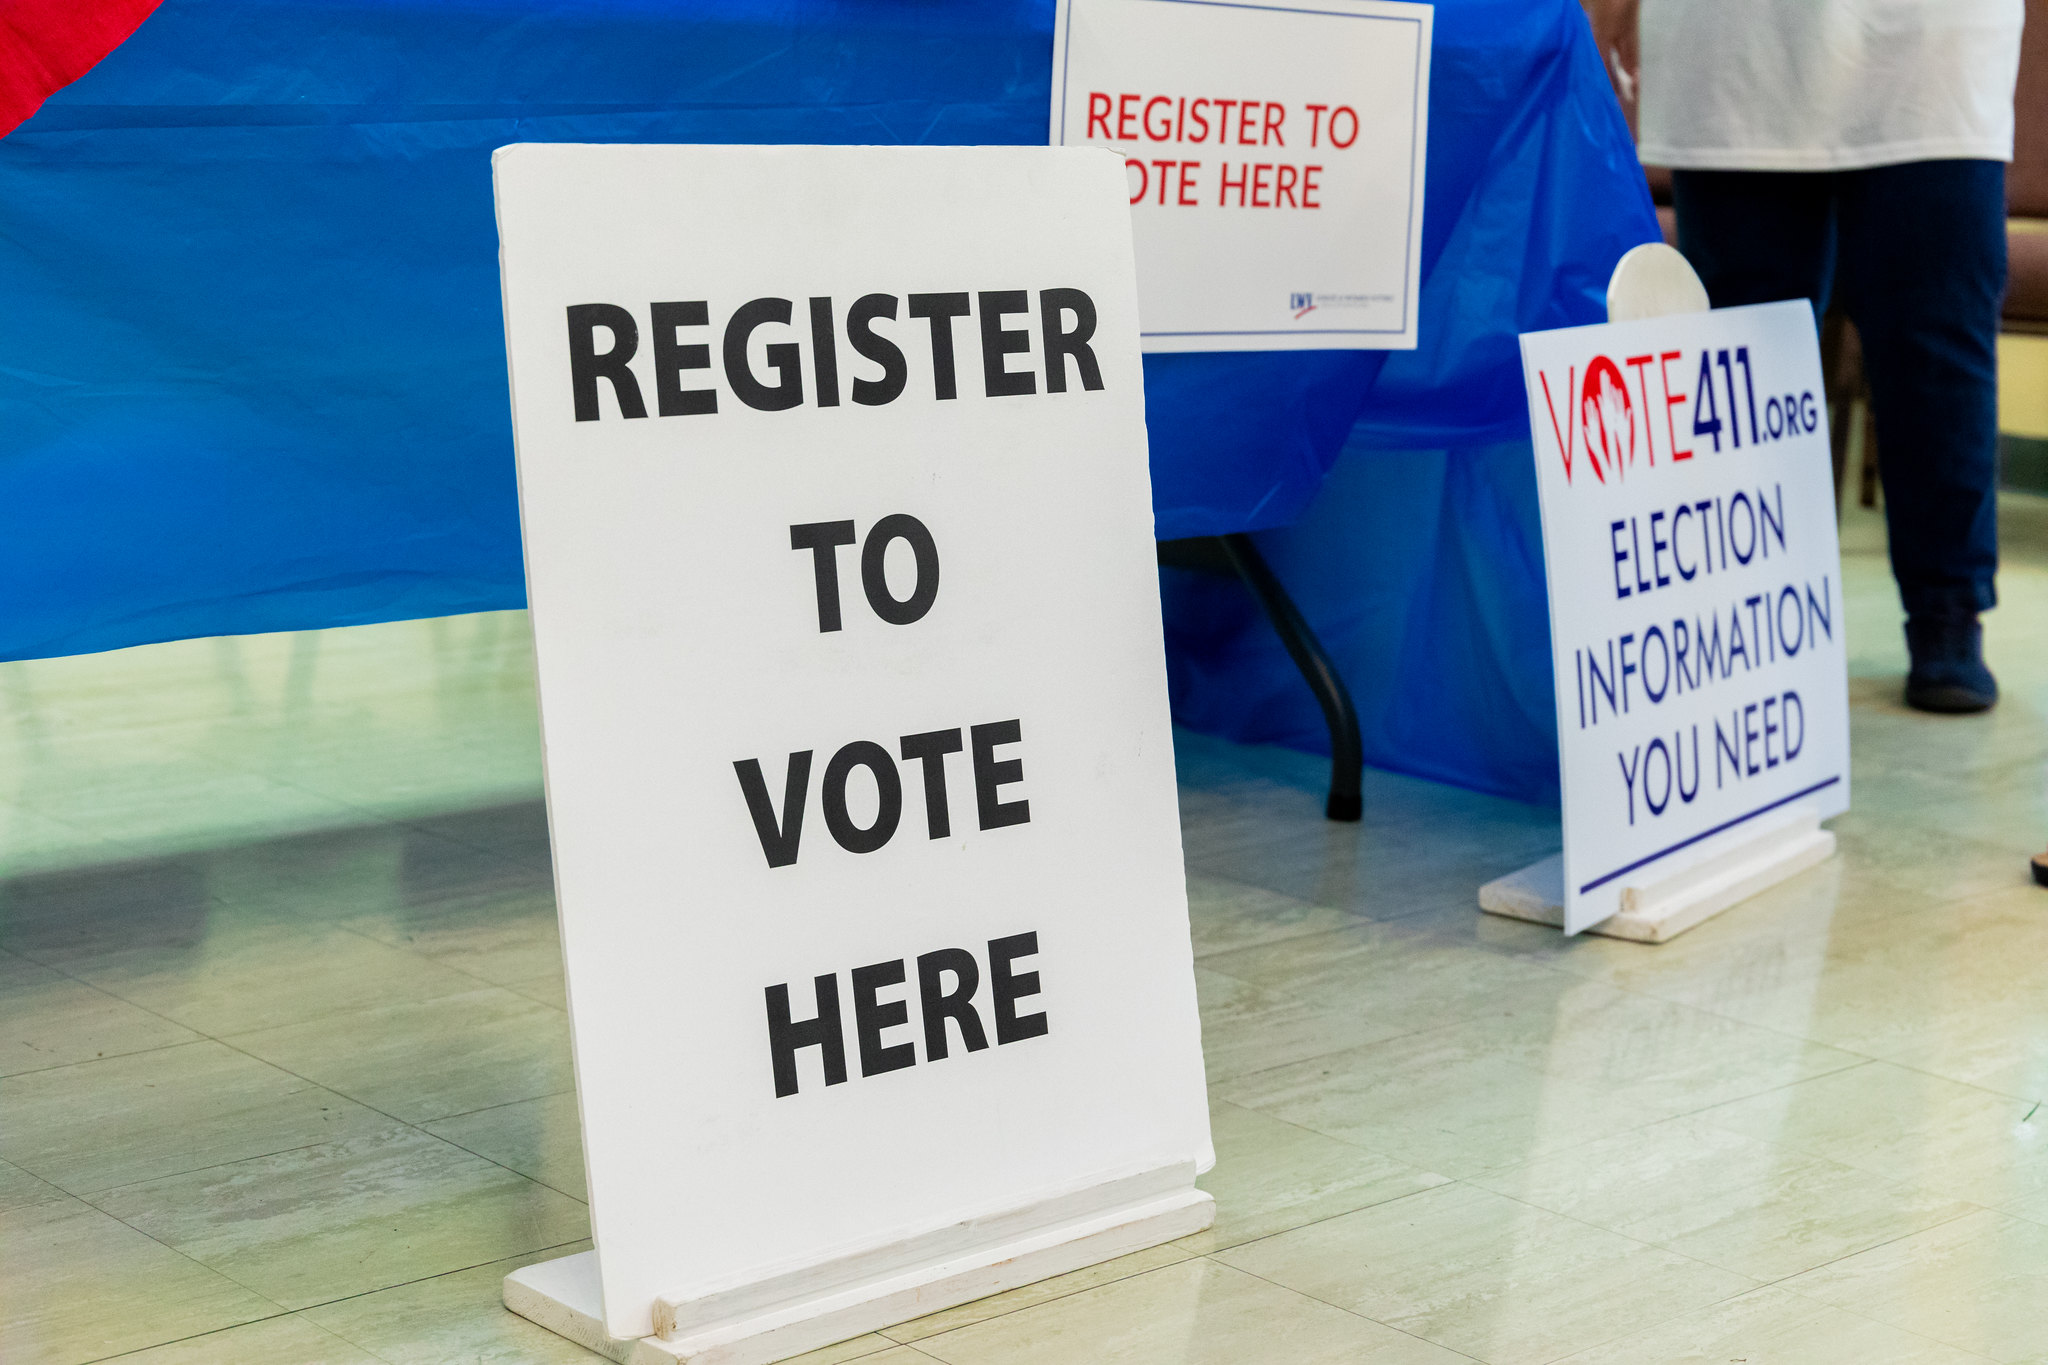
x=1721, y=600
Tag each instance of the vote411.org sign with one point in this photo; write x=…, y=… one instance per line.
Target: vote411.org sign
x=1696, y=613
x=838, y=530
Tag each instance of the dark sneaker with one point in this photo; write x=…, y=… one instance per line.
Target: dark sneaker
x=1948, y=674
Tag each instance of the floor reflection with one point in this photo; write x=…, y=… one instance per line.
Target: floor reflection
x=284, y=1068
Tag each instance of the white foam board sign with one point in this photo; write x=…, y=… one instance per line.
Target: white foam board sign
x=1274, y=162
x=1697, y=625
x=838, y=530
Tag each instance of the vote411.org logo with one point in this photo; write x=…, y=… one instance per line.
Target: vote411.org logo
x=1604, y=423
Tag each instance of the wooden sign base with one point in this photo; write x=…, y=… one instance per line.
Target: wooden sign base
x=778, y=1316
x=1673, y=900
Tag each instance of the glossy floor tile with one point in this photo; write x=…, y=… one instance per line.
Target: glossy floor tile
x=1484, y=1274
x=48, y=1019
x=1978, y=1283
x=873, y=1348
x=1909, y=1126
x=286, y=1337
x=1272, y=1175
x=1772, y=1327
x=284, y=1070
x=541, y=1139
x=1198, y=1312
x=80, y=1285
x=453, y=1317
x=18, y=1187
x=1247, y=1028
x=351, y=1216
x=232, y=983
x=103, y=1124
x=1747, y=1205
x=1042, y=1292
x=428, y=1059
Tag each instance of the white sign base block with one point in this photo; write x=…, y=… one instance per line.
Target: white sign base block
x=879, y=1287
x=1660, y=908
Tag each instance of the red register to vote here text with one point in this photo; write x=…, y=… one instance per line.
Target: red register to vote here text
x=1181, y=120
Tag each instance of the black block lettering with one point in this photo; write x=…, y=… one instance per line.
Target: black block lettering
x=586, y=366
x=941, y=309
x=671, y=358
x=822, y=1032
x=779, y=838
x=989, y=774
x=875, y=582
x=931, y=748
x=872, y=1016
x=823, y=539
x=862, y=754
x=1059, y=343
x=824, y=353
x=1009, y=987
x=938, y=1004
x=860, y=334
x=783, y=358
x=997, y=343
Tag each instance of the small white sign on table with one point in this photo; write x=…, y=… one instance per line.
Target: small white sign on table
x=1696, y=614
x=1275, y=162
x=838, y=532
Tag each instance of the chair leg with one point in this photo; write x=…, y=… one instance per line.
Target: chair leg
x=1347, y=750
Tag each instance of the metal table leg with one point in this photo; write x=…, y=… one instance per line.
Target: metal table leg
x=1237, y=554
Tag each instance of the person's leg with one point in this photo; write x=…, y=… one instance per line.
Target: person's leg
x=1922, y=265
x=1758, y=236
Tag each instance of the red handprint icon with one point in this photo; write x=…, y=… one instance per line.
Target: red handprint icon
x=1607, y=419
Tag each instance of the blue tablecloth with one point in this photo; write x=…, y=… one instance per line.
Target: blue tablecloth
x=252, y=377
x=1420, y=561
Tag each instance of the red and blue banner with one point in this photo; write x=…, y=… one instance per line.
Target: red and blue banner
x=252, y=370
x=47, y=44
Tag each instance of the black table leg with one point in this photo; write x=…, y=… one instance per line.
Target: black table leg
x=1239, y=555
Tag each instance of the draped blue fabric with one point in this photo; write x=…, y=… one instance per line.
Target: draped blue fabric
x=252, y=374
x=1420, y=562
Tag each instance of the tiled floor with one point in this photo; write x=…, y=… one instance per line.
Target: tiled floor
x=283, y=1066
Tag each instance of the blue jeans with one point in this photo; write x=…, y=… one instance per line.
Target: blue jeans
x=1917, y=253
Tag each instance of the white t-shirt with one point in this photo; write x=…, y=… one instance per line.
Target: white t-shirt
x=1816, y=85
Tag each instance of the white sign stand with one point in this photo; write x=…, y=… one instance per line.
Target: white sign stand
x=865, y=1291
x=1275, y=162
x=1756, y=844
x=1660, y=908
x=838, y=531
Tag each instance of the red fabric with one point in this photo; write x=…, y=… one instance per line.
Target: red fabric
x=47, y=44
